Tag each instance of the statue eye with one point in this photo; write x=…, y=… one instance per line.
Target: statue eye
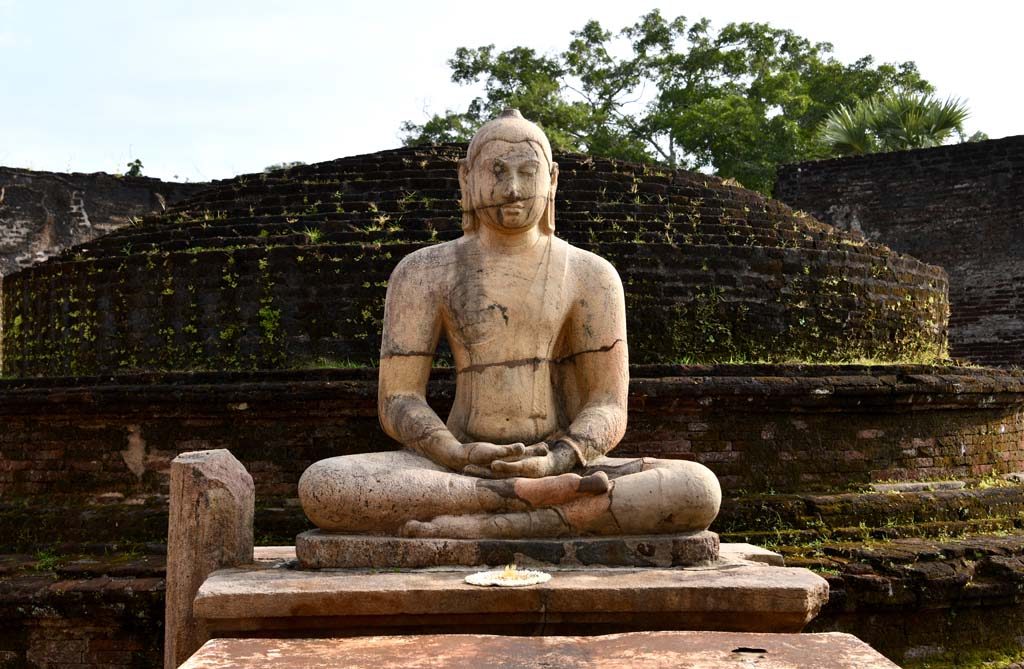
x=499, y=169
x=529, y=171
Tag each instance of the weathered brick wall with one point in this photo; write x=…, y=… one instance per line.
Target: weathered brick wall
x=98, y=612
x=84, y=466
x=43, y=213
x=93, y=450
x=959, y=206
x=287, y=269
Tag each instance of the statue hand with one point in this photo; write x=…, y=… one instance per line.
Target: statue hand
x=458, y=457
x=537, y=462
x=480, y=454
x=482, y=464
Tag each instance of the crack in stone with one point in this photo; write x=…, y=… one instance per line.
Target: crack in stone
x=502, y=309
x=522, y=362
x=602, y=349
x=470, y=210
x=471, y=369
x=611, y=510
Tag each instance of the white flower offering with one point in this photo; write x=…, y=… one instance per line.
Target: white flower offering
x=509, y=577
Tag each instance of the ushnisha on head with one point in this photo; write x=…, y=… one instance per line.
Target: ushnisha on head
x=508, y=178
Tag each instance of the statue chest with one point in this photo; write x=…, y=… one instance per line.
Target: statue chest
x=509, y=307
x=504, y=334
x=502, y=309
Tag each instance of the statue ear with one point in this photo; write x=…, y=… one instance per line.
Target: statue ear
x=548, y=220
x=464, y=182
x=468, y=215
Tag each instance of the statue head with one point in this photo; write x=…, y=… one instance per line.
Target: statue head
x=508, y=178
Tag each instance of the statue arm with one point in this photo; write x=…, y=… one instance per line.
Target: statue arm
x=412, y=327
x=601, y=360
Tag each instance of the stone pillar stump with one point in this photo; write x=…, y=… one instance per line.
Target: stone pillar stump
x=211, y=513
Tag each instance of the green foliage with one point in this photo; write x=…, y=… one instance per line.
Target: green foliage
x=894, y=122
x=276, y=167
x=988, y=658
x=48, y=560
x=313, y=235
x=270, y=323
x=134, y=168
x=738, y=101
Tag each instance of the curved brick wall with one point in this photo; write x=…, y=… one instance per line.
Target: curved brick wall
x=959, y=206
x=289, y=270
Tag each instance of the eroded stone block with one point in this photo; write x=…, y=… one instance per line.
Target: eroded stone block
x=322, y=550
x=212, y=504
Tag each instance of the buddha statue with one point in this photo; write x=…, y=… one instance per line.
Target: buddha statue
x=537, y=332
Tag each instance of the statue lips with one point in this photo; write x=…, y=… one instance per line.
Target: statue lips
x=512, y=212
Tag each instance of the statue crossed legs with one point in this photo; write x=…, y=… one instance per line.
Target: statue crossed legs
x=611, y=496
x=538, y=336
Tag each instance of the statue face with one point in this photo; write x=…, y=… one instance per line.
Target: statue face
x=509, y=185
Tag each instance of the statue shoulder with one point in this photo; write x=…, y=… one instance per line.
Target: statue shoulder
x=429, y=264
x=591, y=269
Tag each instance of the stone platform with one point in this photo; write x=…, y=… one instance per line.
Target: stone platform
x=323, y=550
x=731, y=595
x=643, y=650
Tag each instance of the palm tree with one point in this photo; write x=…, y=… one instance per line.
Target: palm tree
x=893, y=122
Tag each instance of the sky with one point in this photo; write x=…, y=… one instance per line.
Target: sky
x=207, y=90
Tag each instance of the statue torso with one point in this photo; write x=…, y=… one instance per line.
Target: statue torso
x=504, y=318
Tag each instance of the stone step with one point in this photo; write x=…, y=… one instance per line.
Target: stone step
x=638, y=650
x=975, y=505
x=732, y=595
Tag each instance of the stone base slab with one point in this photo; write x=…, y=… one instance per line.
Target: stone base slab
x=322, y=550
x=729, y=596
x=642, y=650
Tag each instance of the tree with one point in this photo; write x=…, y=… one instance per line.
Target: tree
x=738, y=101
x=276, y=167
x=895, y=122
x=134, y=168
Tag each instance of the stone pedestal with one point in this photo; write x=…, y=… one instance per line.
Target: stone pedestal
x=732, y=594
x=323, y=550
x=210, y=526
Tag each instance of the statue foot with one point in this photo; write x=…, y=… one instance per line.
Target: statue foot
x=539, y=523
x=418, y=528
x=595, y=484
x=556, y=490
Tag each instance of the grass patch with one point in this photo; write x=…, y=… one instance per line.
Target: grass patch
x=48, y=560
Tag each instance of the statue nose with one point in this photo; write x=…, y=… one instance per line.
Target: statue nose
x=512, y=189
